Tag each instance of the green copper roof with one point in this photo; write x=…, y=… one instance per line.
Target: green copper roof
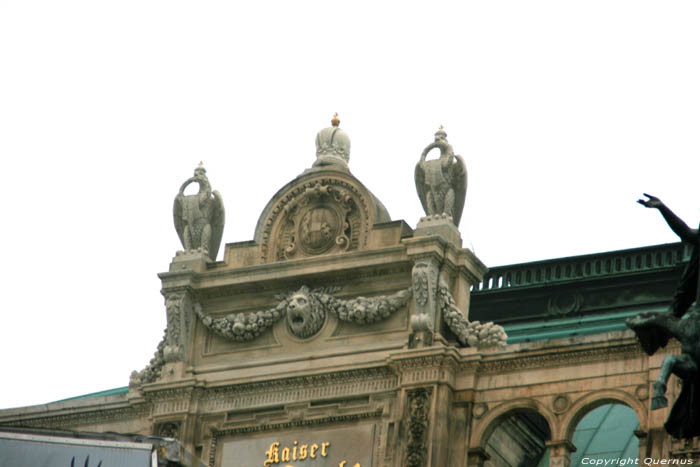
x=568, y=327
x=108, y=392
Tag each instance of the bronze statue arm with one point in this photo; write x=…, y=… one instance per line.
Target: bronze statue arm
x=676, y=224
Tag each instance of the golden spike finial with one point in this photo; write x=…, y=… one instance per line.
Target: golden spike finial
x=201, y=164
x=335, y=121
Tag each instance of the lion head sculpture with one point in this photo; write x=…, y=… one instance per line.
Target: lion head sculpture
x=305, y=314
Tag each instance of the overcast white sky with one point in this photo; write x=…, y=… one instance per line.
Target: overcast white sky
x=564, y=111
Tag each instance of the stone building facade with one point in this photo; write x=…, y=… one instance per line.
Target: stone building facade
x=338, y=337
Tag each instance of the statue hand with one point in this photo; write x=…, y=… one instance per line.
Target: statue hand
x=652, y=202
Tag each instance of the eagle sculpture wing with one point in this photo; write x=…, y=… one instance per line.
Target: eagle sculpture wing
x=178, y=208
x=458, y=180
x=217, y=217
x=420, y=186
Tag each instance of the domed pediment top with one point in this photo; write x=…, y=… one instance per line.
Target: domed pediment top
x=324, y=210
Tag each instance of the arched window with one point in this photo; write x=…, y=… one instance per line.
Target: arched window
x=518, y=439
x=606, y=432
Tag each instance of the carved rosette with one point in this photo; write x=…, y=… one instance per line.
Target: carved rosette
x=418, y=401
x=325, y=214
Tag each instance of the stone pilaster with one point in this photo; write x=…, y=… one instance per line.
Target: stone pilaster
x=560, y=453
x=179, y=308
x=180, y=304
x=425, y=282
x=477, y=457
x=437, y=255
x=418, y=402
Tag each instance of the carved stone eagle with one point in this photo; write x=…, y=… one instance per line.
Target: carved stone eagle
x=199, y=219
x=442, y=183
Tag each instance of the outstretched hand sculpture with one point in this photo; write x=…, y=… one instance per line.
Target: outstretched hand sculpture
x=199, y=219
x=681, y=321
x=442, y=183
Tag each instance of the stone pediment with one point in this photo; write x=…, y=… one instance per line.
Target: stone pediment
x=323, y=211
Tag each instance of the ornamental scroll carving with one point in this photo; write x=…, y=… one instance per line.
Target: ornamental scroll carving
x=305, y=311
x=418, y=407
x=320, y=216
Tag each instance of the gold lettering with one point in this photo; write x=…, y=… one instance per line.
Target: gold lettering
x=314, y=448
x=285, y=454
x=272, y=454
x=294, y=451
x=342, y=463
x=303, y=452
x=323, y=449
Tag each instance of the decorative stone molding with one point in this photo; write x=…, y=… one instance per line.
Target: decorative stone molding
x=244, y=327
x=425, y=277
x=418, y=404
x=179, y=307
x=306, y=311
x=305, y=388
x=325, y=214
x=426, y=369
x=170, y=401
x=87, y=418
x=642, y=392
x=557, y=359
x=561, y=403
x=480, y=409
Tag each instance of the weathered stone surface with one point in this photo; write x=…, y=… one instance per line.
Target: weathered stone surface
x=199, y=219
x=332, y=146
x=239, y=367
x=442, y=183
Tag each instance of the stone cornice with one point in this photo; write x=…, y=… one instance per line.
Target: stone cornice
x=430, y=365
x=93, y=416
x=298, y=389
x=356, y=261
x=298, y=423
x=558, y=357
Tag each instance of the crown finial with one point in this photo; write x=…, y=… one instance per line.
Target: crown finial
x=335, y=121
